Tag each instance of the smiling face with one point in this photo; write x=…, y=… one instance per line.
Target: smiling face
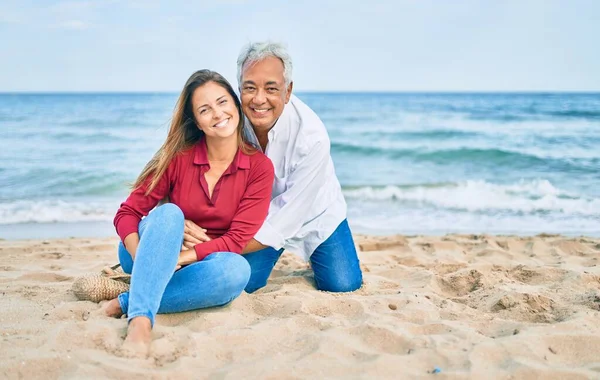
x=264, y=93
x=215, y=111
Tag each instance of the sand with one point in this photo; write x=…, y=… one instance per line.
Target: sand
x=472, y=306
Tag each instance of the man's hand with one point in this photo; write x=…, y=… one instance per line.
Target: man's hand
x=253, y=246
x=186, y=257
x=193, y=234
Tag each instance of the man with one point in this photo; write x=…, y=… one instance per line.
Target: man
x=307, y=214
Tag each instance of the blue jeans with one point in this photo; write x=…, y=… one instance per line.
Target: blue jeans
x=334, y=262
x=156, y=287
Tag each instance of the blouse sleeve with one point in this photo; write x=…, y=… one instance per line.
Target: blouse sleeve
x=138, y=204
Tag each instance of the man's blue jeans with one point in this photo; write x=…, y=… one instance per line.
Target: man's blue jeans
x=156, y=287
x=335, y=263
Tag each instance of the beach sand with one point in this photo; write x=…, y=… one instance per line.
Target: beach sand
x=472, y=306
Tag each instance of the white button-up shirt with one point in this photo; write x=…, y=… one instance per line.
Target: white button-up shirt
x=307, y=204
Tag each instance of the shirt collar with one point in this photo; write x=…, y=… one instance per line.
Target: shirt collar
x=240, y=161
x=282, y=122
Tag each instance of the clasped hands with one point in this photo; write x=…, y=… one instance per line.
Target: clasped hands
x=192, y=235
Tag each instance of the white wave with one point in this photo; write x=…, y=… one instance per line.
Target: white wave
x=51, y=211
x=481, y=196
x=440, y=222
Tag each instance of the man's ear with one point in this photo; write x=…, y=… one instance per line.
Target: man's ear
x=288, y=93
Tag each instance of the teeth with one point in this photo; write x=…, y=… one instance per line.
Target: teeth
x=261, y=110
x=222, y=123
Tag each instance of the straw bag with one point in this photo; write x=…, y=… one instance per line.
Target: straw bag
x=106, y=285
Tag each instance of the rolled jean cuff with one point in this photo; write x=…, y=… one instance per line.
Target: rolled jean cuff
x=124, y=302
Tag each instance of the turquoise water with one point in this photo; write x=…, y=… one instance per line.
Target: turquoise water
x=408, y=163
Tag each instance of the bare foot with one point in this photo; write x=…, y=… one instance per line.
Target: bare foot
x=112, y=308
x=139, y=336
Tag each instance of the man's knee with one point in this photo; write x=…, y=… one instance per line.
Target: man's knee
x=341, y=284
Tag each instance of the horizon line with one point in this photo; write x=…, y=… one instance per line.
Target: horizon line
x=150, y=92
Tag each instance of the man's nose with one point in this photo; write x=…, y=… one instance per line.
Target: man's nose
x=260, y=97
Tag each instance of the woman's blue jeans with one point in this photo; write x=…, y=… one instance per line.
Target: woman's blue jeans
x=157, y=288
x=334, y=262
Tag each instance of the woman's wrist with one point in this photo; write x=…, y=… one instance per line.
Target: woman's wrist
x=131, y=243
x=187, y=256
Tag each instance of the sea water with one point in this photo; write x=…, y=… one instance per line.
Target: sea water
x=410, y=163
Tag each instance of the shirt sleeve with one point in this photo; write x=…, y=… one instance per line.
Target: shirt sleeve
x=138, y=204
x=250, y=214
x=287, y=213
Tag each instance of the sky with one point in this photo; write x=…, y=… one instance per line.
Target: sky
x=345, y=45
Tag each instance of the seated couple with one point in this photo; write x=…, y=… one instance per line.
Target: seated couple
x=240, y=194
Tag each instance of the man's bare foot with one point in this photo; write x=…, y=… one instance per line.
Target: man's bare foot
x=112, y=308
x=139, y=336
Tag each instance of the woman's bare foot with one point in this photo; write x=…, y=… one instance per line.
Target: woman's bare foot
x=112, y=308
x=139, y=336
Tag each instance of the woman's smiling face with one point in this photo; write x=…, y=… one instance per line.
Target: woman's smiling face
x=215, y=111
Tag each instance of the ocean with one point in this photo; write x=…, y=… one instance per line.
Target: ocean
x=409, y=163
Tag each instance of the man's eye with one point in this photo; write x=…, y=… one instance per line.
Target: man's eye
x=223, y=101
x=249, y=88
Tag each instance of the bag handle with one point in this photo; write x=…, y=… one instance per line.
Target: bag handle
x=112, y=274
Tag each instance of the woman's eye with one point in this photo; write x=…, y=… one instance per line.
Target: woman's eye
x=202, y=111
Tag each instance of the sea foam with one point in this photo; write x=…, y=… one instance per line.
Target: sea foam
x=537, y=196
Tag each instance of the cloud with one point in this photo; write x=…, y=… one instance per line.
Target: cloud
x=73, y=25
x=10, y=17
x=76, y=6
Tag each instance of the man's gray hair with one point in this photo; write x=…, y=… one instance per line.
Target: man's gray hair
x=257, y=51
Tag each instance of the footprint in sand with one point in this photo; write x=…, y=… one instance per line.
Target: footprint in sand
x=169, y=349
x=535, y=276
x=281, y=308
x=573, y=248
x=52, y=255
x=326, y=308
x=461, y=283
x=382, y=339
x=527, y=308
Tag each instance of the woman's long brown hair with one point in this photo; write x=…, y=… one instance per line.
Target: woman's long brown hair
x=184, y=132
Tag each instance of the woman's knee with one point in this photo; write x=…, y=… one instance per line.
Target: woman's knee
x=170, y=211
x=168, y=215
x=236, y=270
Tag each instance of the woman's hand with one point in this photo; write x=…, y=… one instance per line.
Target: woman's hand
x=186, y=257
x=193, y=234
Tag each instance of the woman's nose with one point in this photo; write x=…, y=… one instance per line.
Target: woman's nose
x=218, y=113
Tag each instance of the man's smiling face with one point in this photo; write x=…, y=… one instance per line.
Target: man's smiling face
x=264, y=93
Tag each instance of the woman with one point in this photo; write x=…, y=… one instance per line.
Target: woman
x=213, y=178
